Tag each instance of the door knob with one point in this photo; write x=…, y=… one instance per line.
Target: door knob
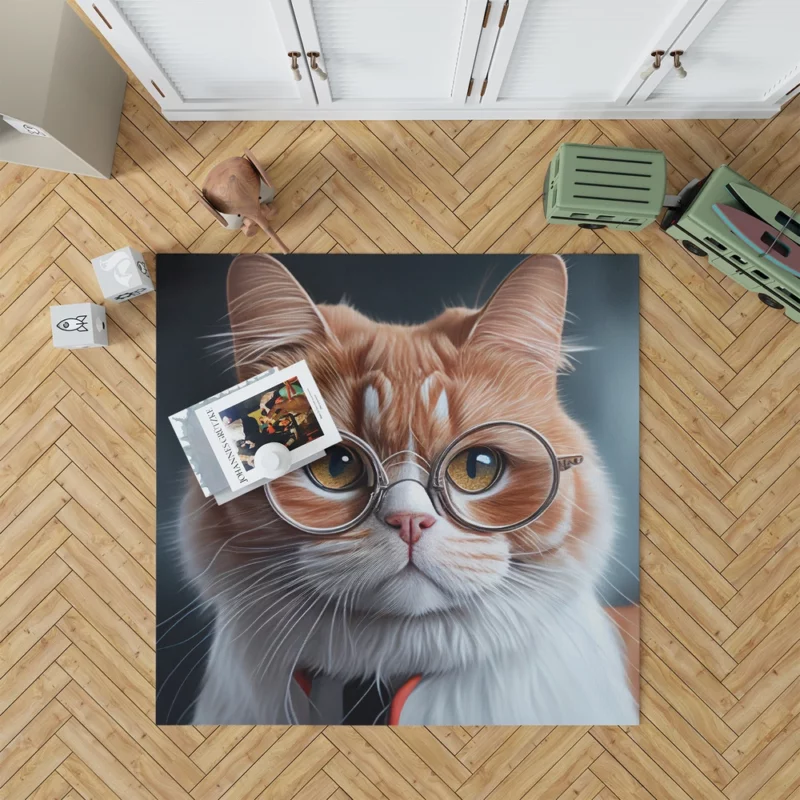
x=657, y=56
x=676, y=60
x=315, y=67
x=295, y=67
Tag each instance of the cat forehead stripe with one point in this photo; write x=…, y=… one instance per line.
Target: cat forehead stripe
x=442, y=408
x=374, y=404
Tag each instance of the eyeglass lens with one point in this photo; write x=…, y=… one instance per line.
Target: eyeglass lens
x=329, y=492
x=497, y=476
x=493, y=477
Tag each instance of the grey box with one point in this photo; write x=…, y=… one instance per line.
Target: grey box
x=57, y=78
x=78, y=325
x=122, y=274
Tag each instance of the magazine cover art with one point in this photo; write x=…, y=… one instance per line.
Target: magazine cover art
x=283, y=407
x=281, y=414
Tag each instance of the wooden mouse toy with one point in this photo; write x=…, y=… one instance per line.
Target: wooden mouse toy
x=237, y=192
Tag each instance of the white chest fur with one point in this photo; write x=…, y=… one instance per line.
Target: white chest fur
x=573, y=675
x=570, y=671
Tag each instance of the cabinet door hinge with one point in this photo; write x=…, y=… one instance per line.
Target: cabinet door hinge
x=503, y=15
x=469, y=88
x=486, y=13
x=483, y=88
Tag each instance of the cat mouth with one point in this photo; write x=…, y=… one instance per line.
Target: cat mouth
x=411, y=569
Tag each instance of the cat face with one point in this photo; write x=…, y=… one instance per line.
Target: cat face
x=409, y=392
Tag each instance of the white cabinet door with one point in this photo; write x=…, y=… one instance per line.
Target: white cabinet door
x=735, y=50
x=562, y=53
x=391, y=53
x=211, y=54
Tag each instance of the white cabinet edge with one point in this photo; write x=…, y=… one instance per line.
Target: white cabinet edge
x=648, y=111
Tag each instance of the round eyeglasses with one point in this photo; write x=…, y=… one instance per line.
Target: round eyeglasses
x=495, y=477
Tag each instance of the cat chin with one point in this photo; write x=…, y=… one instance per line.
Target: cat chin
x=409, y=593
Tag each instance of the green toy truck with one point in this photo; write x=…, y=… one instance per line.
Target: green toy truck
x=605, y=187
x=701, y=231
x=597, y=187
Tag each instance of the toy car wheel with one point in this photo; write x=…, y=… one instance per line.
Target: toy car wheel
x=693, y=248
x=592, y=226
x=769, y=301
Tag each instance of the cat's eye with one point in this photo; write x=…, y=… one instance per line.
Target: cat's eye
x=340, y=469
x=475, y=469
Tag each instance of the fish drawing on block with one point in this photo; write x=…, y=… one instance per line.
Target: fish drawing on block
x=77, y=324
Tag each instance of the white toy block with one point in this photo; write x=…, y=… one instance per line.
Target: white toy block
x=122, y=274
x=78, y=325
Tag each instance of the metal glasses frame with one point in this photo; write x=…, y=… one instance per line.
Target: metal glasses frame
x=435, y=486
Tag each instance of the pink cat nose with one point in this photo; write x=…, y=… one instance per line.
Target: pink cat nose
x=410, y=526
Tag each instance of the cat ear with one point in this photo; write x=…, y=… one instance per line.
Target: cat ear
x=273, y=320
x=526, y=312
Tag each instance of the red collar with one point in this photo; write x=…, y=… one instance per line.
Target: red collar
x=303, y=680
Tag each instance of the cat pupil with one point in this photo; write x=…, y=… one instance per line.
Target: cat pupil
x=339, y=460
x=475, y=456
x=338, y=463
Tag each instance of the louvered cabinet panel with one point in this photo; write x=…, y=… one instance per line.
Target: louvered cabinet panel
x=576, y=50
x=390, y=51
x=206, y=52
x=214, y=49
x=438, y=59
x=747, y=50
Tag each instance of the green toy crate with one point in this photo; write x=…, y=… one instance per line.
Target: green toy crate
x=598, y=187
x=696, y=225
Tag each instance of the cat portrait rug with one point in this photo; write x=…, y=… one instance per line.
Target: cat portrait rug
x=468, y=553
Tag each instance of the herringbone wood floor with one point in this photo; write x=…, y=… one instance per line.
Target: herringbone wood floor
x=720, y=471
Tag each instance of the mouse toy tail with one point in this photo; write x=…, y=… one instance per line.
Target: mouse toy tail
x=270, y=231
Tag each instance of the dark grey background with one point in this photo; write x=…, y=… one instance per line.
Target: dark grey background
x=602, y=393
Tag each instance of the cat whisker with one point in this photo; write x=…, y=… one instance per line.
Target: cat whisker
x=166, y=681
x=287, y=625
x=288, y=708
x=199, y=602
x=301, y=587
x=374, y=682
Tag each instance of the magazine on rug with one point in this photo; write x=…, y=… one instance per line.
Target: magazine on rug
x=222, y=435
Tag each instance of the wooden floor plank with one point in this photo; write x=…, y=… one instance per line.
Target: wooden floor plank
x=114, y=629
x=352, y=204
x=393, y=206
x=401, y=179
x=159, y=131
x=12, y=176
x=720, y=468
x=437, y=143
x=152, y=197
x=31, y=266
x=144, y=153
x=492, y=153
x=17, y=208
x=685, y=738
x=417, y=159
x=476, y=133
x=503, y=178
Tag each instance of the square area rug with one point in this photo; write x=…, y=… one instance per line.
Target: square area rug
x=485, y=495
